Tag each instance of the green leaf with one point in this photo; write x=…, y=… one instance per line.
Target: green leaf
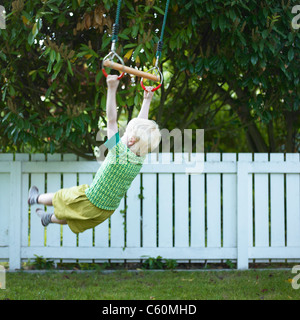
x=291, y=37
x=271, y=47
x=123, y=36
x=254, y=46
x=81, y=54
x=215, y=22
x=159, y=10
x=48, y=92
x=222, y=22
x=58, y=56
x=30, y=38
x=130, y=45
x=74, y=4
x=172, y=43
x=52, y=56
x=265, y=34
x=232, y=14
x=54, y=8
x=79, y=123
x=12, y=91
x=4, y=93
x=49, y=68
x=126, y=31
x=261, y=45
x=105, y=42
x=34, y=30
x=58, y=133
x=103, y=102
x=254, y=59
x=242, y=39
x=98, y=76
x=243, y=5
x=57, y=69
x=39, y=24
x=69, y=125
x=291, y=54
x=137, y=51
x=6, y=116
x=96, y=99
x=2, y=56
x=134, y=31
x=70, y=68
x=46, y=52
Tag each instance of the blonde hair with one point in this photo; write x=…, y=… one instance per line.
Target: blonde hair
x=146, y=134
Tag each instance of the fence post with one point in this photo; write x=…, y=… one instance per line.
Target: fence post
x=242, y=215
x=15, y=215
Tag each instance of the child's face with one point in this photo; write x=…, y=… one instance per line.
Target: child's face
x=131, y=140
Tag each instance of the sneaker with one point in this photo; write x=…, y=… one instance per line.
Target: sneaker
x=33, y=195
x=45, y=217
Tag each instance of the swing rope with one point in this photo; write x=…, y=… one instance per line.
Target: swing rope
x=108, y=60
x=160, y=42
x=116, y=28
x=116, y=25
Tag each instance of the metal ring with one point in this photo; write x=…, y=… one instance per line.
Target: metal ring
x=161, y=79
x=110, y=57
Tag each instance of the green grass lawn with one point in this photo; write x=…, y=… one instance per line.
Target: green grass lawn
x=149, y=285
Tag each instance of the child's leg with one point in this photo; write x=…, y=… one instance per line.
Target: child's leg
x=55, y=220
x=46, y=199
x=36, y=198
x=47, y=218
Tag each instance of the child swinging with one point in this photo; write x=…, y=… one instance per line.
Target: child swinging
x=84, y=207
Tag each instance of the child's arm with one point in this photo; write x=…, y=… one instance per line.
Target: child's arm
x=111, y=105
x=148, y=95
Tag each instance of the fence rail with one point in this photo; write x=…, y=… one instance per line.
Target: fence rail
x=239, y=207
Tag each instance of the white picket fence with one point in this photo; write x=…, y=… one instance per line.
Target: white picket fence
x=242, y=207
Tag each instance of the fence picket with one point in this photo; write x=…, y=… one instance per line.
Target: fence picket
x=197, y=212
x=277, y=206
x=24, y=201
x=133, y=215
x=213, y=205
x=261, y=202
x=181, y=210
x=149, y=231
x=293, y=205
x=246, y=157
x=15, y=219
x=165, y=209
x=229, y=204
x=4, y=202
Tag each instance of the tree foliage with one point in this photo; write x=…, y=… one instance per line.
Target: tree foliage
x=230, y=67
